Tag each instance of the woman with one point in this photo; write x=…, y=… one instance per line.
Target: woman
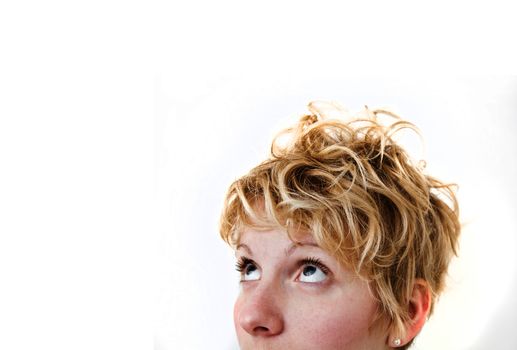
x=341, y=241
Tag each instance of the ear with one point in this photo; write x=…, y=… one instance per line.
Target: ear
x=419, y=306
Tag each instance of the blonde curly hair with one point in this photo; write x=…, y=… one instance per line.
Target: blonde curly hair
x=349, y=184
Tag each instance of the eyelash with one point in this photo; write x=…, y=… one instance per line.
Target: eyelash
x=315, y=262
x=243, y=262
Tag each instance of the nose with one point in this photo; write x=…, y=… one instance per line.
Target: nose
x=259, y=313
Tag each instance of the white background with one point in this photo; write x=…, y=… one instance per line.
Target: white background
x=122, y=123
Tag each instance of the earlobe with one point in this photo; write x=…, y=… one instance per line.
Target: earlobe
x=419, y=307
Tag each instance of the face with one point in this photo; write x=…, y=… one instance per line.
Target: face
x=296, y=296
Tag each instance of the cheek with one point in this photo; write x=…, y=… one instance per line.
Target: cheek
x=334, y=323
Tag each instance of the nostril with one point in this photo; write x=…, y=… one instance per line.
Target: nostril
x=261, y=329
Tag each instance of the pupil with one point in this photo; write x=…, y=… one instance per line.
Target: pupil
x=309, y=270
x=250, y=269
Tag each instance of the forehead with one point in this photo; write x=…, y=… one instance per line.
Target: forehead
x=259, y=233
x=252, y=240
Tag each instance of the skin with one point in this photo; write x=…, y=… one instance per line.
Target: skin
x=286, y=304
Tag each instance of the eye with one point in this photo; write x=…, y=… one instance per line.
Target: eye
x=313, y=271
x=248, y=269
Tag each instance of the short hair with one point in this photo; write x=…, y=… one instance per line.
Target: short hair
x=362, y=198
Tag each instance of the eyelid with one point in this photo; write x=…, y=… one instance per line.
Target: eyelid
x=314, y=262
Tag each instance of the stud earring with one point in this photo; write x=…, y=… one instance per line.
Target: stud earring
x=396, y=342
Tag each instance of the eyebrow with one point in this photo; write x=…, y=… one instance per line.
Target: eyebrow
x=288, y=251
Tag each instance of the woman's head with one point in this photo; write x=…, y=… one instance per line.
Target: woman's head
x=387, y=229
